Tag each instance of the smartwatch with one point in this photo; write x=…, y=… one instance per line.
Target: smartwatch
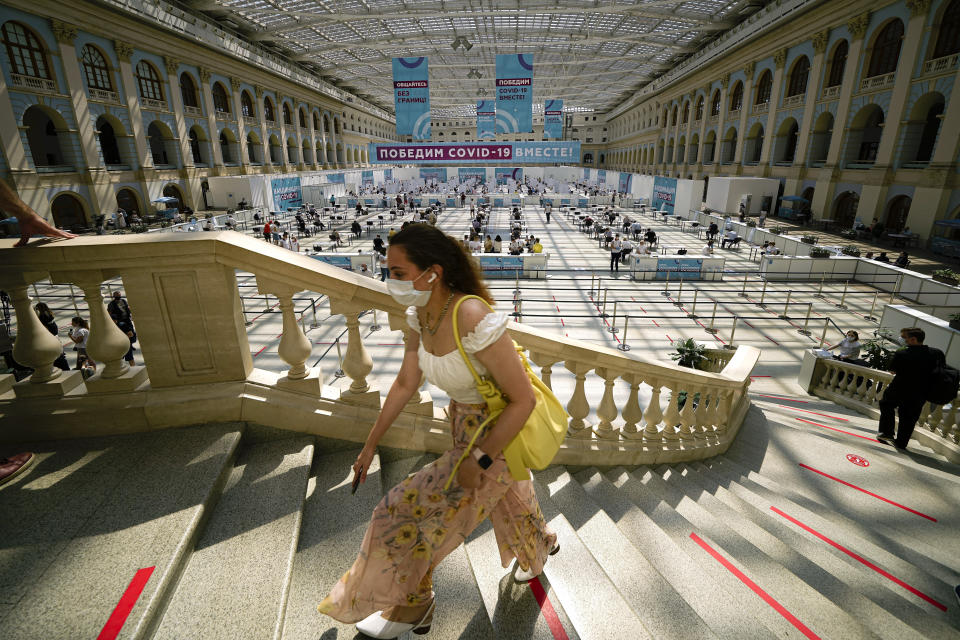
x=482, y=459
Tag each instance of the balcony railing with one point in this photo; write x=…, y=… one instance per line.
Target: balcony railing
x=763, y=107
x=861, y=388
x=942, y=65
x=100, y=95
x=791, y=102
x=224, y=116
x=733, y=113
x=194, y=344
x=31, y=83
x=154, y=105
x=876, y=83
x=250, y=121
x=713, y=119
x=195, y=112
x=830, y=93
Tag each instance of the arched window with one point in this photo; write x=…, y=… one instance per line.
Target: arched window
x=837, y=65
x=246, y=106
x=764, y=86
x=686, y=113
x=316, y=123
x=195, y=147
x=886, y=50
x=948, y=38
x=148, y=81
x=95, y=68
x=158, y=147
x=225, y=147
x=221, y=102
x=715, y=104
x=43, y=138
x=303, y=119
x=698, y=111
x=673, y=121
x=26, y=53
x=188, y=91
x=108, y=142
x=798, y=77
x=287, y=117
x=928, y=136
x=268, y=110
x=736, y=97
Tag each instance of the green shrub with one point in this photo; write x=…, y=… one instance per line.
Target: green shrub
x=851, y=250
x=818, y=252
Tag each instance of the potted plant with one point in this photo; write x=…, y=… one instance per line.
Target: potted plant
x=808, y=239
x=946, y=276
x=849, y=234
x=851, y=250
x=689, y=353
x=877, y=354
x=819, y=252
x=955, y=321
x=776, y=230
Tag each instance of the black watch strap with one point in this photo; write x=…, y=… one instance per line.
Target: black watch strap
x=482, y=459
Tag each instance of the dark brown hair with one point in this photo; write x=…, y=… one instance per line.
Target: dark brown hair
x=426, y=246
x=914, y=332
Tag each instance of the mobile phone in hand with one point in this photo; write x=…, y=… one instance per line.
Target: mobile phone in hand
x=356, y=482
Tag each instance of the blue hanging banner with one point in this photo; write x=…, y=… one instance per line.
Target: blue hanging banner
x=486, y=120
x=601, y=176
x=388, y=174
x=286, y=193
x=434, y=174
x=466, y=174
x=515, y=93
x=586, y=174
x=335, y=178
x=552, y=152
x=553, y=120
x=502, y=175
x=625, y=180
x=411, y=97
x=664, y=193
x=366, y=177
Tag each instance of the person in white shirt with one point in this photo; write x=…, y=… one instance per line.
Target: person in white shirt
x=79, y=333
x=708, y=248
x=848, y=348
x=231, y=222
x=475, y=245
x=615, y=247
x=294, y=244
x=772, y=250
x=728, y=238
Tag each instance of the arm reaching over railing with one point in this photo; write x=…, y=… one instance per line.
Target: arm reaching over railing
x=29, y=222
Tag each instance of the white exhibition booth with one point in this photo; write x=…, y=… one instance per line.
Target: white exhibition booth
x=726, y=194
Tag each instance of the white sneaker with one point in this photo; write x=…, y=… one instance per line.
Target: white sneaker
x=376, y=626
x=526, y=576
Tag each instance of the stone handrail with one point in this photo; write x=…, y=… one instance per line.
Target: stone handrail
x=192, y=335
x=861, y=388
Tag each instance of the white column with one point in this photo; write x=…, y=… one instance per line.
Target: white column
x=745, y=107
x=216, y=153
x=124, y=50
x=769, y=135
x=820, y=41
x=176, y=103
x=244, y=159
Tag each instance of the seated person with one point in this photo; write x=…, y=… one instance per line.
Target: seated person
x=497, y=244
x=488, y=245
x=730, y=238
x=515, y=247
x=708, y=248
x=650, y=237
x=848, y=348
x=883, y=257
x=537, y=247
x=902, y=260
x=475, y=245
x=712, y=230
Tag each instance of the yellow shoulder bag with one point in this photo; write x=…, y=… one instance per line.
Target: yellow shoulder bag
x=543, y=432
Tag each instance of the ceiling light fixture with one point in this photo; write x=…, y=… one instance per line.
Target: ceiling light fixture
x=459, y=42
x=475, y=73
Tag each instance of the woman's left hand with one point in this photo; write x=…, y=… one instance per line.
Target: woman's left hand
x=470, y=475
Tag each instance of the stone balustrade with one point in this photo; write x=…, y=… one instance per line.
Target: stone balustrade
x=861, y=388
x=198, y=365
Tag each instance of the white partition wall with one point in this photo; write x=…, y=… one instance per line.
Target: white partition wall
x=724, y=194
x=689, y=193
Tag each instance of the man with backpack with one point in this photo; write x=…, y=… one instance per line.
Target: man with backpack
x=921, y=373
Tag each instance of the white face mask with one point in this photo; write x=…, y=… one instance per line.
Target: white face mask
x=404, y=292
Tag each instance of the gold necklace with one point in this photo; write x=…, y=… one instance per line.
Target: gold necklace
x=433, y=330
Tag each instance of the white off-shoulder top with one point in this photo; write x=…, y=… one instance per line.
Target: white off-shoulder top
x=449, y=372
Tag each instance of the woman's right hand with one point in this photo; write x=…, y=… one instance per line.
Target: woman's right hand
x=362, y=463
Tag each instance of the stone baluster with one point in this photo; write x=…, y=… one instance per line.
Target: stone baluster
x=653, y=415
x=295, y=347
x=845, y=382
x=702, y=426
x=861, y=391
x=828, y=371
x=935, y=417
x=357, y=363
x=687, y=428
x=924, y=414
x=950, y=421
x=106, y=343
x=578, y=407
x=726, y=405
x=671, y=418
x=545, y=362
x=632, y=413
x=713, y=417
x=607, y=411
x=35, y=347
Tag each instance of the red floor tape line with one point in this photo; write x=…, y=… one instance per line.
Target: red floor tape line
x=859, y=558
x=760, y=395
x=825, y=415
x=779, y=608
x=869, y=493
x=549, y=613
x=119, y=616
x=849, y=433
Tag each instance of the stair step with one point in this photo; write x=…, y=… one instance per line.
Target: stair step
x=332, y=529
x=725, y=617
x=889, y=606
x=661, y=610
x=591, y=600
x=235, y=585
x=899, y=559
x=680, y=516
x=92, y=512
x=797, y=561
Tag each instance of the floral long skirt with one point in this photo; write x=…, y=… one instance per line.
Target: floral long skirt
x=418, y=523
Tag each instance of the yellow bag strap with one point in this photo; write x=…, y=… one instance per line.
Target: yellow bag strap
x=476, y=376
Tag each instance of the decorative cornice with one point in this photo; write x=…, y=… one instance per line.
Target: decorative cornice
x=172, y=64
x=63, y=31
x=918, y=7
x=204, y=75
x=858, y=26
x=749, y=70
x=780, y=57
x=820, y=40
x=123, y=49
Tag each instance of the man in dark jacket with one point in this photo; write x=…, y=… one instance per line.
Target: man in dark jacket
x=905, y=394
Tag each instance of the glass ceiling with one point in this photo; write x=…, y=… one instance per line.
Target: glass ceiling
x=593, y=54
